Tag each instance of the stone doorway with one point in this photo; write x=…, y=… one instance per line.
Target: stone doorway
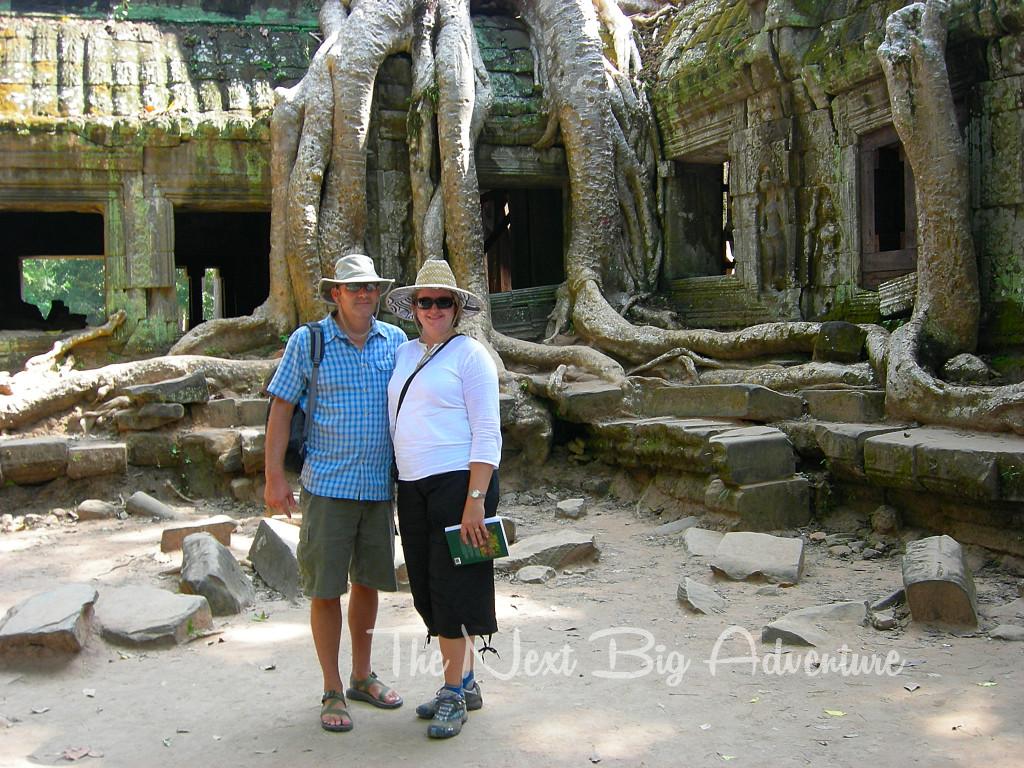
x=231, y=250
x=523, y=237
x=52, y=270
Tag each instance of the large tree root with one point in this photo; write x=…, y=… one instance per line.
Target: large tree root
x=39, y=395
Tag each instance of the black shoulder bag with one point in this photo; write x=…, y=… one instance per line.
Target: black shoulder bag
x=298, y=430
x=401, y=397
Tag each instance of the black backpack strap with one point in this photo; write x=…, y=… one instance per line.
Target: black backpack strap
x=316, y=354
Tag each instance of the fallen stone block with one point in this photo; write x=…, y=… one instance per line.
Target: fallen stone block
x=33, y=460
x=767, y=506
x=587, y=401
x=752, y=455
x=680, y=444
x=252, y=412
x=676, y=526
x=511, y=526
x=141, y=504
x=701, y=542
x=817, y=625
x=743, y=555
x=535, y=574
x=572, y=509
x=57, y=620
x=938, y=583
x=184, y=390
x=243, y=489
x=1008, y=613
x=220, y=527
x=96, y=509
x=557, y=550
x=96, y=459
x=147, y=616
x=148, y=417
x=215, y=413
x=272, y=555
x=700, y=598
x=1010, y=632
x=209, y=569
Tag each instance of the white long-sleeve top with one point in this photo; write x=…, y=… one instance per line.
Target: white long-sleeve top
x=450, y=414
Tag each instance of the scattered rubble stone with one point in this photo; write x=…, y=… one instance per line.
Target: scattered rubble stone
x=272, y=555
x=870, y=553
x=769, y=590
x=938, y=583
x=895, y=598
x=557, y=549
x=220, y=526
x=573, y=509
x=885, y=520
x=818, y=536
x=676, y=526
x=1007, y=632
x=811, y=626
x=209, y=569
x=701, y=542
x=57, y=620
x=840, y=550
x=883, y=620
x=700, y=598
x=96, y=509
x=148, y=616
x=536, y=574
x=141, y=504
x=742, y=555
x=968, y=369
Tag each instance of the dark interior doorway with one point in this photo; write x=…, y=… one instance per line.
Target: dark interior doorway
x=523, y=237
x=888, y=210
x=232, y=251
x=51, y=270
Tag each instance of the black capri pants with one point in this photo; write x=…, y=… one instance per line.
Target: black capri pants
x=451, y=600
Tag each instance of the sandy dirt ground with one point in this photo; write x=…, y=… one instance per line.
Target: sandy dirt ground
x=601, y=666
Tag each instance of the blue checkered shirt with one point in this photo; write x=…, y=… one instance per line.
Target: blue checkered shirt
x=348, y=453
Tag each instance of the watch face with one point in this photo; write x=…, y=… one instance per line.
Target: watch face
x=475, y=494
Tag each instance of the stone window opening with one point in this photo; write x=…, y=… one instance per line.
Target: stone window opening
x=222, y=263
x=888, y=211
x=523, y=237
x=52, y=270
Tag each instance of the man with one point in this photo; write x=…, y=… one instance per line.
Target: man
x=347, y=523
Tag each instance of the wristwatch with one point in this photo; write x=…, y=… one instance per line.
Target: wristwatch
x=476, y=493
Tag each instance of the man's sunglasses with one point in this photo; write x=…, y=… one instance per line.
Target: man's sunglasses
x=357, y=287
x=443, y=302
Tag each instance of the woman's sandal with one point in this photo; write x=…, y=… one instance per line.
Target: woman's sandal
x=329, y=706
x=360, y=691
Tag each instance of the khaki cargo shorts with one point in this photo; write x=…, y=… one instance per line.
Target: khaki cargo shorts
x=341, y=539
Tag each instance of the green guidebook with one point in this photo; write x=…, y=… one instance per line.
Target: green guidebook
x=466, y=554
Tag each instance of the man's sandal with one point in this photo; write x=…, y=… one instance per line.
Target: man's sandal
x=330, y=706
x=362, y=690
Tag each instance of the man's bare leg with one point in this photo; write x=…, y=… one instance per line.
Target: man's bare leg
x=362, y=617
x=325, y=623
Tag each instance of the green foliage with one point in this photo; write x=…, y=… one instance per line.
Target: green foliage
x=79, y=283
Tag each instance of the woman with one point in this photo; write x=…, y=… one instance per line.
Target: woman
x=447, y=435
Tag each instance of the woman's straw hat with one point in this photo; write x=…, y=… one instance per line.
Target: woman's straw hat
x=434, y=273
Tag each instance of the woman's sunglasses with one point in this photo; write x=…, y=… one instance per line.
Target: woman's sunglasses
x=443, y=302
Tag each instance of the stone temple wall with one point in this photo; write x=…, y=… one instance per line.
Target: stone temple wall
x=791, y=95
x=137, y=111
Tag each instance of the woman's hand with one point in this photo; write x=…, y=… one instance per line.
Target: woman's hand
x=473, y=531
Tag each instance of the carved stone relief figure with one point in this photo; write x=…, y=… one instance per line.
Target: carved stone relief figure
x=771, y=230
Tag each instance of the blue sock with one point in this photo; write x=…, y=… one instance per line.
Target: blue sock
x=454, y=688
x=468, y=681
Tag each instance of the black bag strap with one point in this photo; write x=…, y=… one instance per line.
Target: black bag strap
x=316, y=354
x=419, y=367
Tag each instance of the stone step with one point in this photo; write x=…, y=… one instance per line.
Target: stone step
x=843, y=446
x=752, y=455
x=681, y=444
x=37, y=460
x=231, y=412
x=750, y=402
x=952, y=462
x=847, y=405
x=767, y=506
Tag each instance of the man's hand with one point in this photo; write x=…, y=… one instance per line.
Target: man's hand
x=278, y=493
